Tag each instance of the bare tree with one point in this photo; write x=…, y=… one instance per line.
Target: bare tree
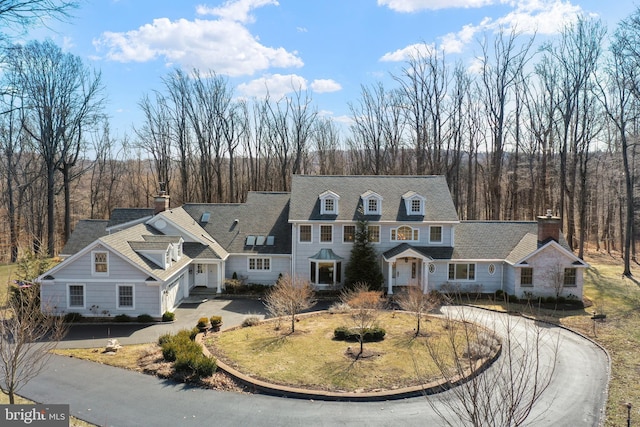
x=22, y=14
x=414, y=300
x=61, y=99
x=27, y=336
x=504, y=394
x=365, y=308
x=289, y=297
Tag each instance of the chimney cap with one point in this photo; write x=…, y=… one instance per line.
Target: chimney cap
x=549, y=214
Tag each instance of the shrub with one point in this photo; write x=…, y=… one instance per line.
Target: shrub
x=123, y=318
x=215, y=320
x=251, y=321
x=499, y=294
x=73, y=317
x=513, y=299
x=561, y=300
x=203, y=322
x=342, y=333
x=145, y=318
x=168, y=316
x=339, y=307
x=186, y=354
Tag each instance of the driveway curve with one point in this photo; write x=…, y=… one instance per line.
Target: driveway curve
x=108, y=396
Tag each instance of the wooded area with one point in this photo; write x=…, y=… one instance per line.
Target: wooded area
x=531, y=125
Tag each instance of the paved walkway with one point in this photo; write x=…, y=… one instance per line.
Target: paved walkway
x=109, y=396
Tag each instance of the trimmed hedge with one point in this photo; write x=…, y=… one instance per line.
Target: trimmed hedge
x=342, y=333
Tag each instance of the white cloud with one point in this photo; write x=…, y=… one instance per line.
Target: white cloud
x=224, y=45
x=237, y=11
x=275, y=85
x=325, y=86
x=408, y=6
x=406, y=53
x=528, y=16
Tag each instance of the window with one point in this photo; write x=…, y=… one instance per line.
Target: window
x=325, y=272
x=374, y=233
x=125, y=296
x=526, y=276
x=348, y=233
x=76, y=296
x=100, y=263
x=569, y=277
x=492, y=269
x=416, y=206
x=326, y=233
x=199, y=269
x=259, y=264
x=435, y=234
x=404, y=233
x=432, y=268
x=329, y=205
x=305, y=233
x=462, y=271
x=167, y=259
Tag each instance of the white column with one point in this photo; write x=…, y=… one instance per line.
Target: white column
x=425, y=277
x=220, y=274
x=390, y=278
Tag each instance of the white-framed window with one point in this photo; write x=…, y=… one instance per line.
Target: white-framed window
x=372, y=206
x=405, y=233
x=374, y=233
x=100, y=263
x=432, y=268
x=526, y=276
x=435, y=234
x=199, y=268
x=326, y=233
x=462, y=271
x=167, y=259
x=348, y=233
x=259, y=264
x=75, y=295
x=492, y=269
x=371, y=202
x=126, y=298
x=329, y=203
x=414, y=203
x=569, y=278
x=305, y=233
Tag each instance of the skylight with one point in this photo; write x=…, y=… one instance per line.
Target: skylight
x=205, y=217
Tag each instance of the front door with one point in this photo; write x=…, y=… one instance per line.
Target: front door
x=201, y=275
x=407, y=272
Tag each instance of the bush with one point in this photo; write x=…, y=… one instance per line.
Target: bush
x=123, y=318
x=513, y=299
x=251, y=321
x=186, y=354
x=215, y=320
x=145, y=318
x=73, y=317
x=203, y=322
x=499, y=294
x=339, y=307
x=168, y=316
x=342, y=333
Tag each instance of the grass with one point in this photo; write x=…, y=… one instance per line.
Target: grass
x=311, y=358
x=127, y=357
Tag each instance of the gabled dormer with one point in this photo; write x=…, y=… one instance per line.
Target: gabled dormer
x=329, y=203
x=159, y=253
x=414, y=203
x=372, y=203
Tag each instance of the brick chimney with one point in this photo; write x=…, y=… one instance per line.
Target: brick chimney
x=161, y=201
x=548, y=227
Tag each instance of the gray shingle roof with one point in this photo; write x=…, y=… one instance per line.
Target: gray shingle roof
x=198, y=251
x=86, y=231
x=124, y=215
x=305, y=190
x=263, y=214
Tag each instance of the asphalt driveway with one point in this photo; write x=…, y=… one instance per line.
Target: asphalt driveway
x=115, y=397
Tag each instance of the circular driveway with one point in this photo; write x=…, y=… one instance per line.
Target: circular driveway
x=105, y=395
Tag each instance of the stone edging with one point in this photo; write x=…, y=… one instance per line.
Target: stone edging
x=301, y=393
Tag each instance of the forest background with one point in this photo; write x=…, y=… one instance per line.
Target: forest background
x=534, y=125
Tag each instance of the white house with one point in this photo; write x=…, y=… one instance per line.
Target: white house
x=145, y=261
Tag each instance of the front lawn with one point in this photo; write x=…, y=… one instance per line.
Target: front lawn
x=311, y=358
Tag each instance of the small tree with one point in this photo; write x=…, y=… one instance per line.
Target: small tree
x=363, y=263
x=365, y=308
x=27, y=336
x=413, y=299
x=289, y=297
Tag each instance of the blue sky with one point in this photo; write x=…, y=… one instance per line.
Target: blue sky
x=328, y=47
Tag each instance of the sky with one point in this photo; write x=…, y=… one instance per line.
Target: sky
x=329, y=48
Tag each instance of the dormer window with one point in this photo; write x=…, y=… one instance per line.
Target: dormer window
x=414, y=203
x=372, y=203
x=167, y=259
x=329, y=203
